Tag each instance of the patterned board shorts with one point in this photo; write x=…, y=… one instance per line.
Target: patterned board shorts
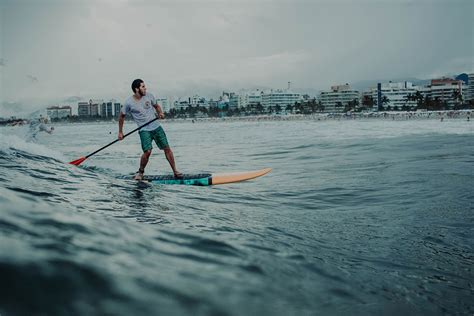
x=158, y=135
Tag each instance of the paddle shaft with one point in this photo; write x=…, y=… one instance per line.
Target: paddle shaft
x=136, y=129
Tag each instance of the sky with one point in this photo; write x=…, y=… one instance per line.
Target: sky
x=58, y=52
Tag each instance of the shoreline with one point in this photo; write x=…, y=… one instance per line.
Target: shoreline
x=435, y=115
x=392, y=116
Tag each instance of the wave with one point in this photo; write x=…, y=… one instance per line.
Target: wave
x=13, y=145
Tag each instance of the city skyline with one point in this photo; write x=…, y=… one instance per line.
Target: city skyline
x=210, y=47
x=237, y=99
x=399, y=96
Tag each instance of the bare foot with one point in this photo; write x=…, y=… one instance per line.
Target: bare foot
x=138, y=176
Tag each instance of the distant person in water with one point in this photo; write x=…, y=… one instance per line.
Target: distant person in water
x=39, y=125
x=143, y=108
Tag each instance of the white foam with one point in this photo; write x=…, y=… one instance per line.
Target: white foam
x=9, y=143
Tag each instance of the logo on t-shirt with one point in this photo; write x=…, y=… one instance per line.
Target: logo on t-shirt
x=147, y=105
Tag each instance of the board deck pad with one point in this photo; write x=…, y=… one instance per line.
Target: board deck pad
x=205, y=179
x=188, y=179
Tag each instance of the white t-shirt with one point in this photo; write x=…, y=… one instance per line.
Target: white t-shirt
x=142, y=111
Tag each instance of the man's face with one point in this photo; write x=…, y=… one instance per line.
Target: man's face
x=142, y=89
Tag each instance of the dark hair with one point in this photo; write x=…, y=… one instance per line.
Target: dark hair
x=136, y=84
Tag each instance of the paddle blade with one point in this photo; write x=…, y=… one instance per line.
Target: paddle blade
x=77, y=162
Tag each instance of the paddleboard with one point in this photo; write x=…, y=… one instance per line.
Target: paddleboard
x=206, y=179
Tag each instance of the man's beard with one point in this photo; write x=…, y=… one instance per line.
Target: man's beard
x=142, y=93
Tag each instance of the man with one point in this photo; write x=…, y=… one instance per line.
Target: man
x=37, y=126
x=143, y=108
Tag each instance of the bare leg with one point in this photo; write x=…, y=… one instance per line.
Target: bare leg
x=170, y=157
x=144, y=160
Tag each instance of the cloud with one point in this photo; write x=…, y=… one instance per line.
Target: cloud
x=8, y=109
x=32, y=78
x=72, y=99
x=94, y=49
x=453, y=66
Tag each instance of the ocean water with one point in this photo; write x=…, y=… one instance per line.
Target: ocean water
x=358, y=217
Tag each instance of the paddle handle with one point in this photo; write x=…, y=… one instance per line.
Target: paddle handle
x=136, y=129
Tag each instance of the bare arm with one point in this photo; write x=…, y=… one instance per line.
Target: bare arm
x=121, y=120
x=160, y=113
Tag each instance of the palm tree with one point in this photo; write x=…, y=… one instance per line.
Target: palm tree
x=320, y=106
x=458, y=98
x=248, y=109
x=356, y=103
x=409, y=97
x=351, y=105
x=368, y=101
x=418, y=97
x=424, y=103
x=384, y=101
x=298, y=108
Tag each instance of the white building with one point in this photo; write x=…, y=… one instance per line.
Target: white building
x=106, y=109
x=178, y=105
x=252, y=98
x=338, y=97
x=470, y=87
x=94, y=106
x=280, y=97
x=164, y=103
x=241, y=99
x=58, y=112
x=181, y=104
x=94, y=109
x=194, y=101
x=397, y=94
x=83, y=109
x=445, y=90
x=223, y=100
x=117, y=108
x=203, y=103
x=234, y=100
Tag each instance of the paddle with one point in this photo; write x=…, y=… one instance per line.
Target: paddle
x=77, y=162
